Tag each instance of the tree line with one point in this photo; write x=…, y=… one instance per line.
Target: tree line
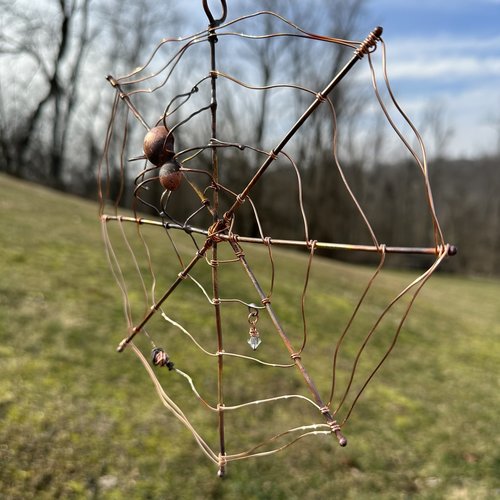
x=55, y=105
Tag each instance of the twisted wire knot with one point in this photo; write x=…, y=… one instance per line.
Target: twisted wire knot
x=369, y=42
x=160, y=358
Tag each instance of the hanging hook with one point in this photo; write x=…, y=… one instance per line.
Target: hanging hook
x=215, y=22
x=253, y=313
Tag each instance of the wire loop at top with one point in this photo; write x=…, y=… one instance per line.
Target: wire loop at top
x=215, y=22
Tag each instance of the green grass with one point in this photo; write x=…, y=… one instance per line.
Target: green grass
x=79, y=420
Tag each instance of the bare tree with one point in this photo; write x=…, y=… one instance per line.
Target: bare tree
x=308, y=64
x=327, y=194
x=438, y=129
x=59, y=63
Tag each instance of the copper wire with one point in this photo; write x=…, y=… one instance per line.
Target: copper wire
x=204, y=183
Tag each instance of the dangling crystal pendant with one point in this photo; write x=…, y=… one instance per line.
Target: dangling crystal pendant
x=254, y=340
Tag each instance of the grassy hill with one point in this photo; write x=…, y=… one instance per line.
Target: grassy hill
x=79, y=420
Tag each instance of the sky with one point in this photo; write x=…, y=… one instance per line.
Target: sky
x=443, y=55
x=447, y=54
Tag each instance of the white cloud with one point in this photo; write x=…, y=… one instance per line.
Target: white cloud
x=444, y=57
x=472, y=113
x=449, y=68
x=443, y=44
x=433, y=4
x=461, y=76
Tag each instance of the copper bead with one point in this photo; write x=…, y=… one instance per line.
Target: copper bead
x=170, y=175
x=159, y=145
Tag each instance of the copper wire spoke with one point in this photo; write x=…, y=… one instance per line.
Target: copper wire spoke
x=199, y=248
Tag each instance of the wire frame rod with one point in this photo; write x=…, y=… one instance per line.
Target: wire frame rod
x=282, y=242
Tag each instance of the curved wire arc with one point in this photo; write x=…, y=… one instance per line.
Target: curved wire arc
x=207, y=183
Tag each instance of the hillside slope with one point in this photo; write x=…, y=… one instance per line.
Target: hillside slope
x=81, y=421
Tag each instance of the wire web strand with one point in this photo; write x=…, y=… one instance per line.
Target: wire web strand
x=206, y=244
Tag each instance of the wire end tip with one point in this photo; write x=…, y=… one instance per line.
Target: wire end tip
x=111, y=80
x=340, y=437
x=121, y=346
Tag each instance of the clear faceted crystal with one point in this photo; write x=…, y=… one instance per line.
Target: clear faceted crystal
x=254, y=342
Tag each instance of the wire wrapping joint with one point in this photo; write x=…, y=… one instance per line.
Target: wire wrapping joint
x=160, y=358
x=222, y=461
x=214, y=229
x=369, y=42
x=320, y=97
x=240, y=199
x=240, y=254
x=335, y=428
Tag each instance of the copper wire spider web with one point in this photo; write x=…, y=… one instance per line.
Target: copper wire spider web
x=219, y=245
